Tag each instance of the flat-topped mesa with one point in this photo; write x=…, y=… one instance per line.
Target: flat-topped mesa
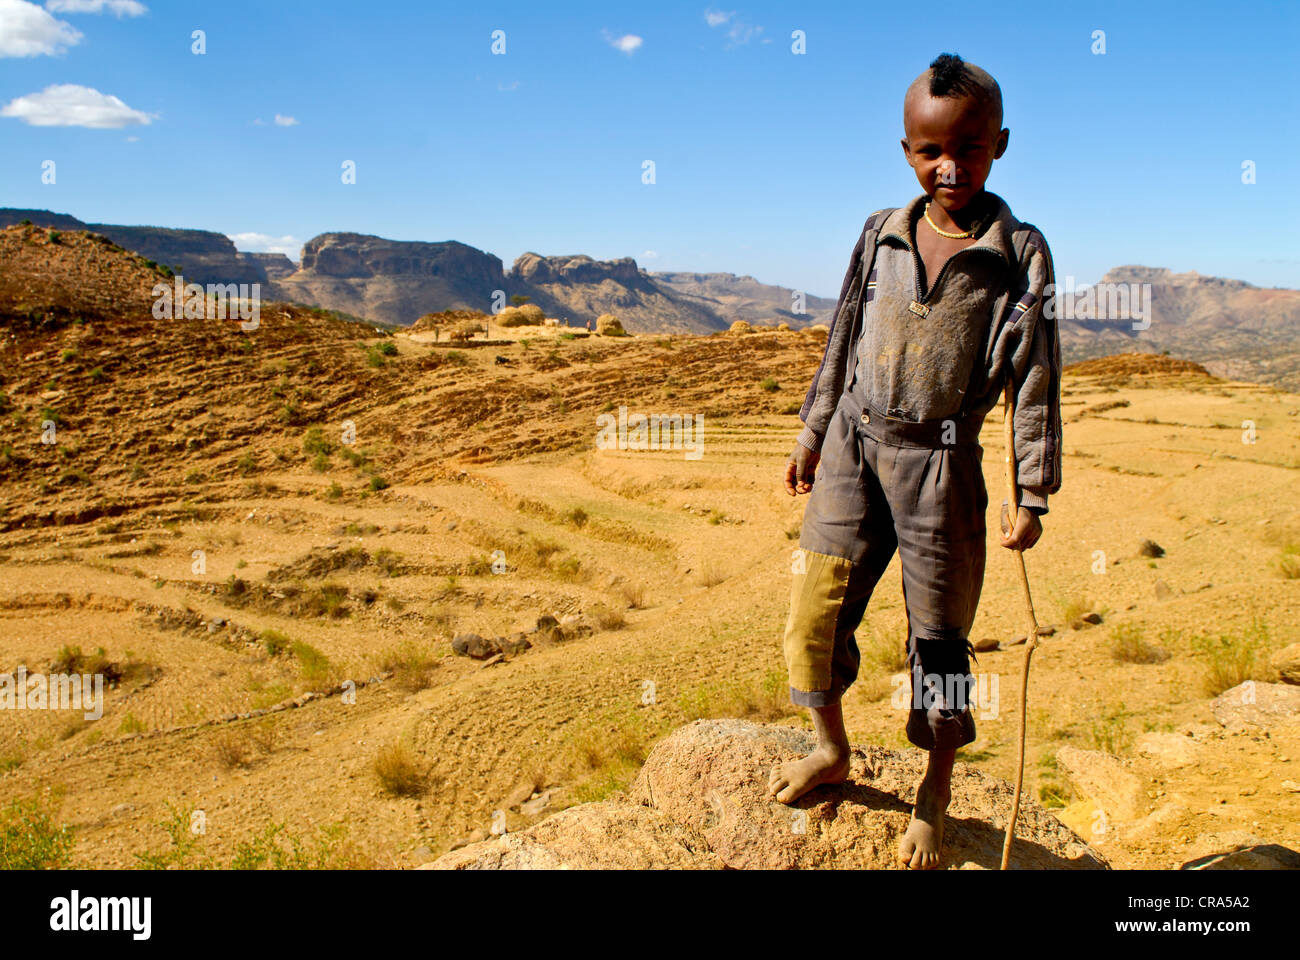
x=578, y=268
x=358, y=255
x=1163, y=276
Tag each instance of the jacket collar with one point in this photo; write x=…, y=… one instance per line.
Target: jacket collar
x=996, y=237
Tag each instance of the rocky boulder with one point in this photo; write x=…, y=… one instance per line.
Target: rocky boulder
x=473, y=646
x=701, y=801
x=1258, y=704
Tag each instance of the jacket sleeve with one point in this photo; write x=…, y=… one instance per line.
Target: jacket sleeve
x=828, y=382
x=1033, y=352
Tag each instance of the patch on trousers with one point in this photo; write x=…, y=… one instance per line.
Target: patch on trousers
x=940, y=717
x=816, y=595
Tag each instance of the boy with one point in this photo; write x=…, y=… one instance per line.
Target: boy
x=955, y=297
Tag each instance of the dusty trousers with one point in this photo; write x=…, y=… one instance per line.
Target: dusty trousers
x=886, y=485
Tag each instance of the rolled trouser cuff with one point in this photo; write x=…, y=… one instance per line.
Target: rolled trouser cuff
x=939, y=716
x=817, y=698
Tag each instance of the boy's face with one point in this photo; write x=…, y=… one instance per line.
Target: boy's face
x=951, y=144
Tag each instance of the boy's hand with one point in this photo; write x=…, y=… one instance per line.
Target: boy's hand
x=799, y=470
x=1028, y=529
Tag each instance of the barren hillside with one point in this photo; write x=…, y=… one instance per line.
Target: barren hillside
x=235, y=525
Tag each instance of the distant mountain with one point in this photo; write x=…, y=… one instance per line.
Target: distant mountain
x=395, y=281
x=581, y=289
x=1235, y=329
x=744, y=298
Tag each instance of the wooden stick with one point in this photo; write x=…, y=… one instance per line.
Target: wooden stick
x=1013, y=512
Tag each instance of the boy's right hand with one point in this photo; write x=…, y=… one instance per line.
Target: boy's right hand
x=799, y=470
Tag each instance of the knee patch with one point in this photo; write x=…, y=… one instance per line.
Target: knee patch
x=816, y=595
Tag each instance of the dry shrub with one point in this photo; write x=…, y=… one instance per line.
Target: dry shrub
x=634, y=594
x=711, y=575
x=231, y=750
x=608, y=618
x=412, y=666
x=398, y=775
x=607, y=325
x=740, y=326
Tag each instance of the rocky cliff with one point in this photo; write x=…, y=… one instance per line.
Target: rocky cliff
x=275, y=265
x=391, y=280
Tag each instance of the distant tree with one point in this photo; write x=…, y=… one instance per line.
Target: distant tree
x=519, y=299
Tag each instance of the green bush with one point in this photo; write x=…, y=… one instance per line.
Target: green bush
x=30, y=839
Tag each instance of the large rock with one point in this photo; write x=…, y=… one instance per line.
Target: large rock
x=1257, y=856
x=1106, y=780
x=1169, y=750
x=1253, y=703
x=607, y=835
x=1287, y=663
x=701, y=801
x=473, y=646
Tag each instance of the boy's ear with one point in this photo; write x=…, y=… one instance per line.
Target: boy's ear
x=1003, y=136
x=907, y=152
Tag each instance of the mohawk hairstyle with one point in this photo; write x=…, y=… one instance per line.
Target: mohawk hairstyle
x=950, y=76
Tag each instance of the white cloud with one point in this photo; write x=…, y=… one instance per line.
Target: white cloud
x=283, y=121
x=507, y=87
x=119, y=8
x=28, y=31
x=70, y=105
x=265, y=243
x=739, y=33
x=628, y=43
x=649, y=255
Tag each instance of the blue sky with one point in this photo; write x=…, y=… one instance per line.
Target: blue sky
x=766, y=162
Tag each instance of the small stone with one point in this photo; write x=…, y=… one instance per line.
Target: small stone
x=536, y=806
x=1163, y=590
x=1093, y=618
x=493, y=660
x=985, y=644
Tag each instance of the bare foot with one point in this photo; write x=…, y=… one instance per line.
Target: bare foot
x=919, y=848
x=826, y=764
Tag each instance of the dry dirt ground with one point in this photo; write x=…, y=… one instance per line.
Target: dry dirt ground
x=188, y=506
